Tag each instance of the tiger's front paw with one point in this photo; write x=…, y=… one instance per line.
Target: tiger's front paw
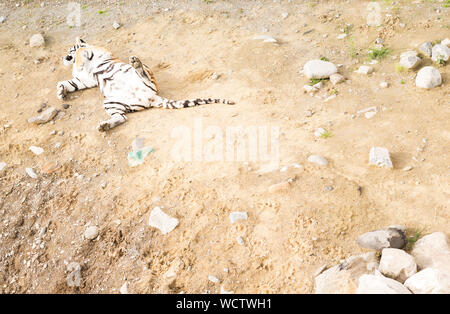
x=61, y=91
x=135, y=62
x=104, y=126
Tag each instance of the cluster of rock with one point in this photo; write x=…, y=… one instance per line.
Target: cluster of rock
x=320, y=69
x=425, y=270
x=427, y=77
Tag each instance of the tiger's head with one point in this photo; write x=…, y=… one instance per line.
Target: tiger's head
x=69, y=59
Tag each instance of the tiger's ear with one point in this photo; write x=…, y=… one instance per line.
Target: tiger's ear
x=79, y=41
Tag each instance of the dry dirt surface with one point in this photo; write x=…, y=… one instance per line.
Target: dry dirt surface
x=83, y=177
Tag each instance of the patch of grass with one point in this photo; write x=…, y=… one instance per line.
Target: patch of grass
x=324, y=59
x=412, y=239
x=352, y=49
x=84, y=6
x=327, y=134
x=207, y=1
x=334, y=91
x=402, y=82
x=101, y=11
x=440, y=60
x=315, y=81
x=447, y=4
x=378, y=53
x=399, y=68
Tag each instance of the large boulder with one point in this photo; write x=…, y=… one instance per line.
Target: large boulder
x=440, y=52
x=409, y=59
x=319, y=69
x=343, y=278
x=433, y=250
x=378, y=284
x=397, y=264
x=392, y=237
x=429, y=280
x=428, y=77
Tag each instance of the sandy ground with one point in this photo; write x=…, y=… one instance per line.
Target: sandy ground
x=288, y=234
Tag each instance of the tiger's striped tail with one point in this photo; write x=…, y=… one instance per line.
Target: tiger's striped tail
x=178, y=104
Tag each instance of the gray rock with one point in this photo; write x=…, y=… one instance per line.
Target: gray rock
x=429, y=280
x=37, y=40
x=317, y=159
x=160, y=220
x=428, y=77
x=379, y=156
x=319, y=69
x=372, y=284
x=397, y=264
x=2, y=19
x=392, y=237
x=433, y=251
x=44, y=117
x=440, y=52
x=343, y=278
x=236, y=216
x=425, y=48
x=409, y=59
x=91, y=233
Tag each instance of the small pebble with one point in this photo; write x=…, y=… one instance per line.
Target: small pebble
x=91, y=233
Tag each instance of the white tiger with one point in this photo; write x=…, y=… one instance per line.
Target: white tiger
x=125, y=87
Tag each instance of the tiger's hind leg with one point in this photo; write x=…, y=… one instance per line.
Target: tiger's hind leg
x=145, y=73
x=116, y=111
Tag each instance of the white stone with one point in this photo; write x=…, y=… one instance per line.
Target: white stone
x=429, y=280
x=36, y=150
x=2, y=19
x=371, y=284
x=319, y=132
x=370, y=114
x=310, y=88
x=213, y=278
x=440, y=52
x=329, y=98
x=284, y=15
x=397, y=264
x=265, y=38
x=364, y=69
x=317, y=159
x=116, y=25
x=446, y=42
x=336, y=78
x=91, y=233
x=409, y=59
x=239, y=240
x=318, y=85
x=124, y=289
x=2, y=165
x=341, y=36
x=379, y=156
x=31, y=173
x=343, y=278
x=160, y=220
x=236, y=216
x=37, y=40
x=384, y=84
x=433, y=251
x=319, y=69
x=223, y=291
x=428, y=77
